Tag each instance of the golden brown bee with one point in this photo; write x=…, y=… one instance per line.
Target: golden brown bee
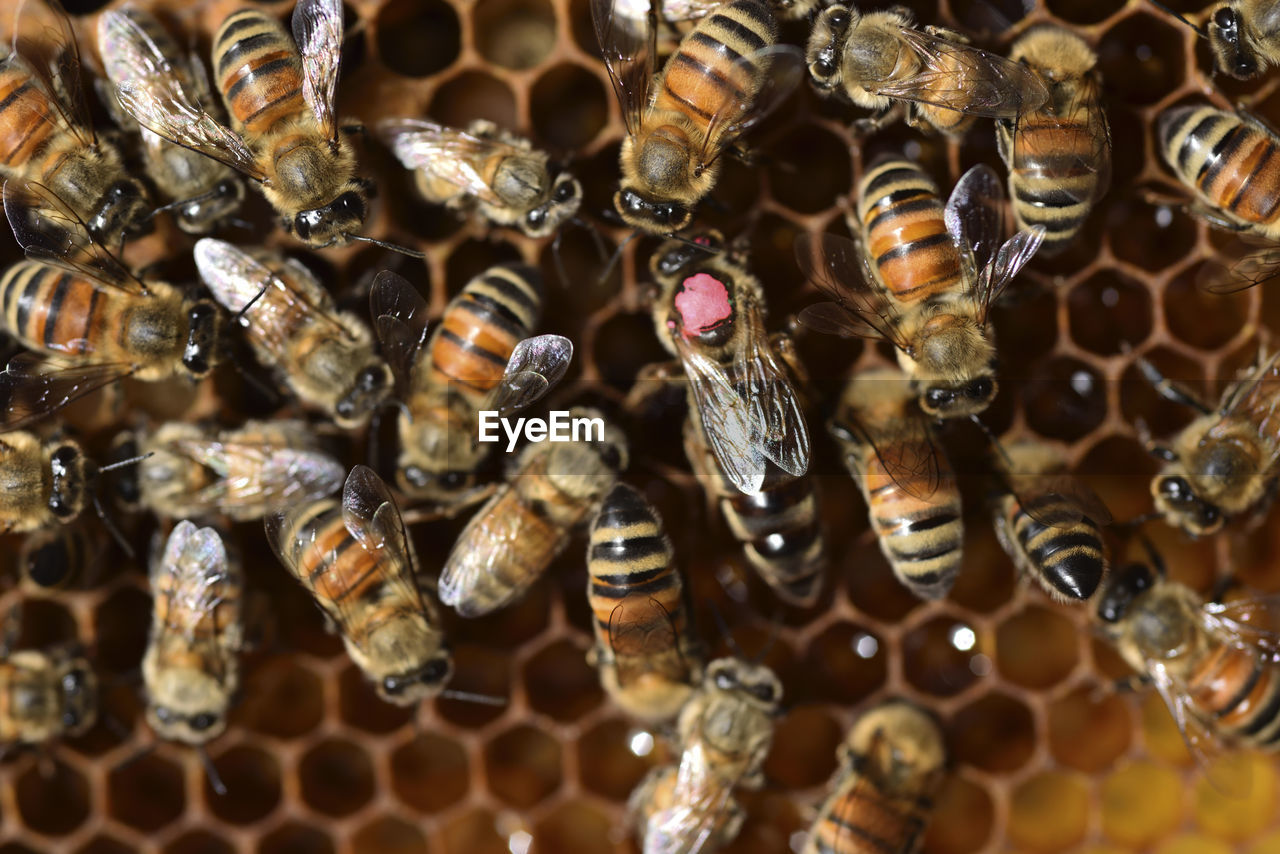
x=922, y=277
x=279, y=92
x=190, y=470
x=325, y=357
x=484, y=168
x=41, y=483
x=880, y=59
x=1244, y=36
x=138, y=51
x=1059, y=156
x=745, y=435
x=1048, y=522
x=648, y=658
x=551, y=488
x=725, y=731
x=727, y=73
x=913, y=502
x=190, y=669
x=48, y=138
x=357, y=561
x=479, y=358
x=44, y=694
x=891, y=765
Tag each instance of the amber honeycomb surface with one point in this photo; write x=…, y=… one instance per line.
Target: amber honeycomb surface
x=1047, y=757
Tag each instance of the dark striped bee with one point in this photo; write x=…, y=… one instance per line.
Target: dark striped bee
x=44, y=694
x=891, y=765
x=1059, y=156
x=880, y=60
x=285, y=135
x=745, y=435
x=48, y=139
x=42, y=483
x=138, y=51
x=913, y=502
x=922, y=277
x=479, y=357
x=726, y=75
x=648, y=658
x=358, y=563
x=325, y=357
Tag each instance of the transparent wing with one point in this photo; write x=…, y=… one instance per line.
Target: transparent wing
x=975, y=211
x=1010, y=259
x=32, y=388
x=197, y=560
x=698, y=806
x=1058, y=501
x=859, y=307
x=1083, y=117
x=1203, y=745
x=911, y=460
x=447, y=154
x=1251, y=623
x=535, y=367
x=1250, y=270
x=781, y=68
x=641, y=644
x=53, y=58
x=1257, y=397
x=317, y=28
x=400, y=320
x=629, y=53
x=260, y=477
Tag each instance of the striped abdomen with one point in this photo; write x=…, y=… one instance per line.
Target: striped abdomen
x=781, y=533
x=1058, y=179
x=259, y=72
x=28, y=122
x=1068, y=561
x=172, y=608
x=858, y=819
x=904, y=233
x=1238, y=694
x=58, y=312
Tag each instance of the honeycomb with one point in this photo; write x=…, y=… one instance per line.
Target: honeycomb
x=1047, y=757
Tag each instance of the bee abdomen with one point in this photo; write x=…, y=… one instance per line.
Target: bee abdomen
x=22, y=130
x=1240, y=693
x=1051, y=190
x=702, y=72
x=259, y=70
x=1071, y=559
x=482, y=327
x=49, y=309
x=923, y=542
x=1233, y=164
x=782, y=537
x=860, y=821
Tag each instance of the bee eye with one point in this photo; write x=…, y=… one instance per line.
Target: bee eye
x=369, y=379
x=416, y=476
x=536, y=217
x=979, y=389
x=225, y=189
x=824, y=66
x=435, y=671
x=838, y=19
x=631, y=202
x=70, y=718
x=348, y=206
x=163, y=714
x=450, y=479
x=345, y=409
x=764, y=693
x=64, y=458
x=564, y=192
x=611, y=457
x=202, y=721
x=1208, y=515
x=392, y=685
x=725, y=681
x=937, y=398
x=73, y=681
x=1224, y=19
x=1176, y=489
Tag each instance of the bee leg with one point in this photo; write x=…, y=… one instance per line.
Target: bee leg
x=1149, y=443
x=651, y=381
x=1170, y=390
x=732, y=824
x=946, y=33
x=864, y=127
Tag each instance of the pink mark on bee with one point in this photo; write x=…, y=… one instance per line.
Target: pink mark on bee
x=703, y=303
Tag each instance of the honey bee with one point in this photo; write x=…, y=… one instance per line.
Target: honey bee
x=484, y=168
x=725, y=732
x=49, y=140
x=1223, y=464
x=285, y=135
x=190, y=669
x=913, y=501
x=726, y=75
x=137, y=50
x=358, y=563
x=922, y=277
x=550, y=489
x=1244, y=36
x=1049, y=523
x=879, y=60
x=42, y=483
x=245, y=473
x=479, y=357
x=44, y=694
x=891, y=765
x=1059, y=157
x=648, y=658
x=325, y=357
x=745, y=435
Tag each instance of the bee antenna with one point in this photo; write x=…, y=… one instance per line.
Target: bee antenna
x=616, y=257
x=180, y=202
x=1137, y=521
x=132, y=461
x=724, y=630
x=394, y=247
x=991, y=437
x=113, y=530
x=140, y=754
x=1200, y=31
x=483, y=699
x=1157, y=562
x=239, y=315
x=215, y=781
x=601, y=249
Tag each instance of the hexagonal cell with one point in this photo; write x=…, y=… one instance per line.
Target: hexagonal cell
x=252, y=779
x=963, y=818
x=360, y=705
x=1198, y=317
x=1119, y=469
x=986, y=579
x=430, y=772
x=613, y=756
x=146, y=793
x=199, y=842
x=477, y=670
x=103, y=845
x=804, y=747
x=1153, y=237
x=575, y=826
x=514, y=33
x=1037, y=647
x=1160, y=734
x=473, y=95
x=55, y=803
x=1050, y=811
x=1064, y=398
x=813, y=173
x=43, y=623
x=996, y=732
x=1194, y=843
x=522, y=766
x=1141, y=802
x=1108, y=311
x=563, y=121
x=1138, y=399
x=871, y=582
x=1088, y=729
x=120, y=627
x=296, y=838
x=1027, y=321
x=559, y=682
x=1082, y=11
x=1236, y=799
x=1141, y=58
x=475, y=832
x=846, y=662
x=336, y=777
x=418, y=38
x=992, y=18
x=388, y=835
x=943, y=656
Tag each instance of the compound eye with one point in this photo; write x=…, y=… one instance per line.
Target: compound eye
x=164, y=715
x=979, y=389
x=65, y=457
x=392, y=685
x=564, y=192
x=1175, y=489
x=764, y=693
x=536, y=217
x=452, y=479
x=631, y=201
x=348, y=206
x=345, y=409
x=202, y=721
x=225, y=189
x=938, y=398
x=73, y=681
x=1224, y=19
x=611, y=457
x=369, y=379
x=725, y=681
x=838, y=19
x=1209, y=515
x=435, y=671
x=415, y=475
x=825, y=67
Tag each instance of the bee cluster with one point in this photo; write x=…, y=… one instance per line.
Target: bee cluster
x=272, y=282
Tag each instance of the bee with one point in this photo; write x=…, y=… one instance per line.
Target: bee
x=725, y=731
x=190, y=668
x=922, y=277
x=550, y=489
x=280, y=95
x=44, y=694
x=1244, y=37
x=190, y=470
x=137, y=50
x=891, y=766
x=486, y=169
x=913, y=501
x=1049, y=523
x=1223, y=464
x=1059, y=157
x=358, y=563
x=42, y=483
x=879, y=60
x=479, y=357
x=726, y=75
x=48, y=137
x=648, y=658
x=325, y=357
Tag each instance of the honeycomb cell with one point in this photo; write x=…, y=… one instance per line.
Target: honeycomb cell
x=568, y=106
x=963, y=818
x=944, y=656
x=360, y=705
x=1153, y=237
x=1194, y=843
x=103, y=845
x=612, y=758
x=804, y=747
x=120, y=625
x=1119, y=470
x=418, y=38
x=1026, y=321
x=1037, y=648
x=430, y=772
x=1139, y=400
x=295, y=838
x=336, y=777
x=1049, y=812
x=522, y=766
x=474, y=95
x=388, y=835
x=252, y=780
x=1065, y=398
x=474, y=832
x=43, y=624
x=559, y=682
x=1202, y=319
x=995, y=733
x=199, y=842
x=846, y=662
x=514, y=33
x=1235, y=799
x=483, y=672
x=1160, y=733
x=809, y=169
x=282, y=698
x=871, y=583
x=1089, y=729
x=1109, y=311
x=54, y=800
x=575, y=826
x=1141, y=802
x=1141, y=58
x=986, y=579
x=1267, y=844
x=990, y=18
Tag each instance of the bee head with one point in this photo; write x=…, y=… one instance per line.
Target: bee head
x=674, y=255
x=329, y=225
x=200, y=214
x=754, y=682
x=406, y=689
x=122, y=210
x=562, y=203
x=443, y=486
x=662, y=216
x=1177, y=501
x=70, y=475
x=204, y=323
x=826, y=45
x=942, y=400
x=1231, y=51
x=1122, y=590
x=370, y=387
x=79, y=696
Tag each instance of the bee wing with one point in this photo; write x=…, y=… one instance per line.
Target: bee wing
x=628, y=54
x=1257, y=398
x=911, y=459
x=197, y=559
x=638, y=650
x=535, y=367
x=1203, y=745
x=959, y=77
x=974, y=213
x=859, y=307
x=445, y=153
x=280, y=476
x=32, y=388
x=54, y=60
x=780, y=68
x=1087, y=103
x=1251, y=623
x=1058, y=501
x=698, y=804
x=400, y=320
x=1012, y=256
x=370, y=513
x=1251, y=269
x=317, y=28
